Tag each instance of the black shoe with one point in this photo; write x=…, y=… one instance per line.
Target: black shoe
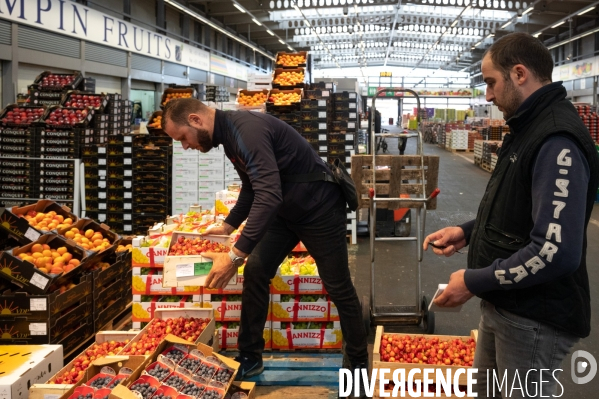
x=248, y=367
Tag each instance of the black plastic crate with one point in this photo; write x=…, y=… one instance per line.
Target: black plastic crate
x=346, y=116
x=16, y=150
x=315, y=105
x=349, y=96
x=16, y=179
x=42, y=82
x=317, y=94
x=19, y=132
x=313, y=127
x=345, y=106
x=316, y=116
x=343, y=126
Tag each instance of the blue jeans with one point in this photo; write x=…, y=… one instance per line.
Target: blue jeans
x=511, y=345
x=325, y=239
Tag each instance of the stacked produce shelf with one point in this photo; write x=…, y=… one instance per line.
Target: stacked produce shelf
x=64, y=278
x=589, y=116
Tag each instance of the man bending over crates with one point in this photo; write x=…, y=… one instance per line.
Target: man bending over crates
x=267, y=153
x=527, y=255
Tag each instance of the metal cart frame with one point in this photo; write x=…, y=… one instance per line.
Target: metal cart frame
x=398, y=315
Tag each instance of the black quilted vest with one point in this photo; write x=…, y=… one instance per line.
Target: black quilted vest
x=504, y=219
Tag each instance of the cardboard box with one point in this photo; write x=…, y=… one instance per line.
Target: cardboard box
x=249, y=388
x=225, y=201
x=228, y=333
x=31, y=279
x=25, y=365
x=144, y=310
x=286, y=336
x=296, y=284
x=234, y=287
x=19, y=228
x=378, y=363
x=148, y=256
x=297, y=309
x=150, y=283
x=180, y=271
x=163, y=314
x=227, y=307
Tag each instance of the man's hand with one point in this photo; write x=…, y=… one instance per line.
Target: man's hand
x=221, y=230
x=222, y=269
x=449, y=239
x=456, y=292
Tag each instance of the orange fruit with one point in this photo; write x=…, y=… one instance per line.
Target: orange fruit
x=37, y=248
x=89, y=233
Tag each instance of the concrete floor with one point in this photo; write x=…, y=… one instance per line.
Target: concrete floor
x=462, y=185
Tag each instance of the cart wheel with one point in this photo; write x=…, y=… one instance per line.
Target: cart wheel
x=428, y=319
x=384, y=145
x=366, y=313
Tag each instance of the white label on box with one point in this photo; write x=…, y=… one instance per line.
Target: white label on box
x=128, y=172
x=324, y=159
x=102, y=184
x=352, y=95
x=102, y=173
x=126, y=216
x=128, y=195
x=127, y=227
x=37, y=304
x=325, y=93
x=32, y=234
x=351, y=125
x=322, y=126
x=101, y=161
x=39, y=281
x=322, y=103
x=126, y=206
x=102, y=195
x=101, y=150
x=38, y=328
x=128, y=139
x=101, y=206
x=51, y=396
x=127, y=161
x=322, y=137
x=352, y=105
x=128, y=184
x=184, y=270
x=322, y=114
x=127, y=150
x=101, y=217
x=322, y=148
x=352, y=115
x=349, y=137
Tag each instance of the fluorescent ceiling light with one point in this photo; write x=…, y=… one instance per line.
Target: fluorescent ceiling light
x=307, y=23
x=256, y=22
x=587, y=10
x=454, y=23
x=573, y=38
x=478, y=43
x=240, y=8
x=270, y=32
x=282, y=42
x=558, y=24
x=467, y=9
x=529, y=9
x=211, y=24
x=508, y=23
x=289, y=47
x=537, y=34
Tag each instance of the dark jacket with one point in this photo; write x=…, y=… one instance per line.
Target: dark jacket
x=262, y=148
x=505, y=221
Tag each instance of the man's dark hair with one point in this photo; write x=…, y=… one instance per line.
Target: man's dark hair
x=521, y=48
x=178, y=110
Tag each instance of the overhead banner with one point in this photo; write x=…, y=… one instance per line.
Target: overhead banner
x=421, y=92
x=227, y=68
x=72, y=19
x=577, y=70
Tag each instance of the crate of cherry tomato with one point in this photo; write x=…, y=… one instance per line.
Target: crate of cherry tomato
x=83, y=100
x=60, y=117
x=405, y=351
x=19, y=116
x=49, y=81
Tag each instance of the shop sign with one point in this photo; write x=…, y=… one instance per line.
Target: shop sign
x=372, y=91
x=72, y=19
x=577, y=70
x=226, y=67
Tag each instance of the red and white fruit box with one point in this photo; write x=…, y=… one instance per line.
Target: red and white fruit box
x=226, y=307
x=144, y=311
x=286, y=336
x=191, y=270
x=298, y=308
x=228, y=334
x=231, y=288
x=150, y=283
x=296, y=284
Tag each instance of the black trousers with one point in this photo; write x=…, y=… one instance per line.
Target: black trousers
x=325, y=240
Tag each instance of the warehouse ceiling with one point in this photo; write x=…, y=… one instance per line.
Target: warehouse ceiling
x=447, y=34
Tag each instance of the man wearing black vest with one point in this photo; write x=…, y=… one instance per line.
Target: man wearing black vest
x=527, y=255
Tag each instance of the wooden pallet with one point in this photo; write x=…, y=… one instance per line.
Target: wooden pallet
x=269, y=392
x=390, y=181
x=458, y=149
x=486, y=167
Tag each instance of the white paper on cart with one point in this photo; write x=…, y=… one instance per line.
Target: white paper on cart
x=434, y=308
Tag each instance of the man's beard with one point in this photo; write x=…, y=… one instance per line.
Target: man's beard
x=204, y=140
x=511, y=101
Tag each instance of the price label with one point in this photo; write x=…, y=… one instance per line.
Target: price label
x=128, y=172
x=325, y=93
x=102, y=195
x=322, y=137
x=351, y=125
x=193, y=269
x=102, y=206
x=128, y=195
x=126, y=206
x=322, y=103
x=38, y=328
x=39, y=281
x=37, y=304
x=322, y=126
x=102, y=184
x=101, y=217
x=101, y=150
x=352, y=95
x=202, y=268
x=126, y=216
x=352, y=105
x=101, y=161
x=184, y=270
x=127, y=150
x=349, y=137
x=128, y=184
x=102, y=172
x=322, y=114
x=32, y=234
x=127, y=161
x=352, y=115
x=322, y=148
x=128, y=139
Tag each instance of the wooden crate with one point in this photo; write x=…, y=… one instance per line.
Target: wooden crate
x=389, y=179
x=377, y=363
